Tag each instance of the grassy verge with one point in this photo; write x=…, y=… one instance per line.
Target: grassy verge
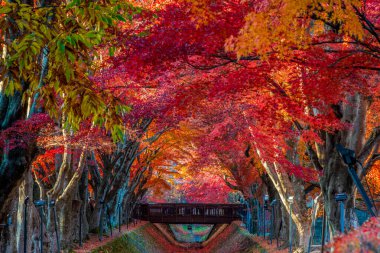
x=234, y=239
x=123, y=244
x=146, y=238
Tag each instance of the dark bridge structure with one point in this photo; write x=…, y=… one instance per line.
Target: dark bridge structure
x=173, y=213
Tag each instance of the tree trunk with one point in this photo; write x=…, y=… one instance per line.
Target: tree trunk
x=335, y=178
x=291, y=187
x=281, y=220
x=68, y=216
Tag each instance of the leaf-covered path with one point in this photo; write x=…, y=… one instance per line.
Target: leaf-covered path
x=94, y=242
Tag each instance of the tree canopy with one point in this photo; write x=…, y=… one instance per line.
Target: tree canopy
x=105, y=104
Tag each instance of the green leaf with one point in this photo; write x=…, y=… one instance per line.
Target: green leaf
x=143, y=34
x=71, y=40
x=120, y=17
x=46, y=31
x=68, y=74
x=71, y=56
x=107, y=20
x=73, y=3
x=130, y=17
x=112, y=50
x=61, y=46
x=5, y=10
x=117, y=133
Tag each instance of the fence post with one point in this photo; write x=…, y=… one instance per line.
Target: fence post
x=273, y=204
x=40, y=204
x=52, y=204
x=26, y=223
x=9, y=220
x=323, y=230
x=119, y=207
x=128, y=214
x=109, y=218
x=263, y=220
x=340, y=198
x=255, y=217
x=265, y=208
x=259, y=225
x=249, y=217
x=290, y=200
x=313, y=218
x=80, y=224
x=101, y=221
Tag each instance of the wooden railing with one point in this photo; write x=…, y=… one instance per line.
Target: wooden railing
x=174, y=213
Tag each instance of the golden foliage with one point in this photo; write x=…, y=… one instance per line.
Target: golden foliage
x=281, y=26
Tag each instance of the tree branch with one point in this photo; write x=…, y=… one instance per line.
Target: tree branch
x=311, y=152
x=370, y=163
x=372, y=143
x=229, y=184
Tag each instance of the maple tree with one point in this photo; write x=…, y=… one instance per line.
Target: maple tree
x=248, y=96
x=49, y=49
x=356, y=34
x=298, y=88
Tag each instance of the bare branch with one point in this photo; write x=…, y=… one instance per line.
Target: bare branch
x=229, y=184
x=370, y=163
x=370, y=145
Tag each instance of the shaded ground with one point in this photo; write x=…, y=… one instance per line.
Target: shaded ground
x=269, y=248
x=148, y=239
x=93, y=240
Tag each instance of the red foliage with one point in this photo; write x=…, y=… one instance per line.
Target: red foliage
x=205, y=188
x=51, y=142
x=43, y=166
x=24, y=132
x=174, y=69
x=364, y=239
x=179, y=71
